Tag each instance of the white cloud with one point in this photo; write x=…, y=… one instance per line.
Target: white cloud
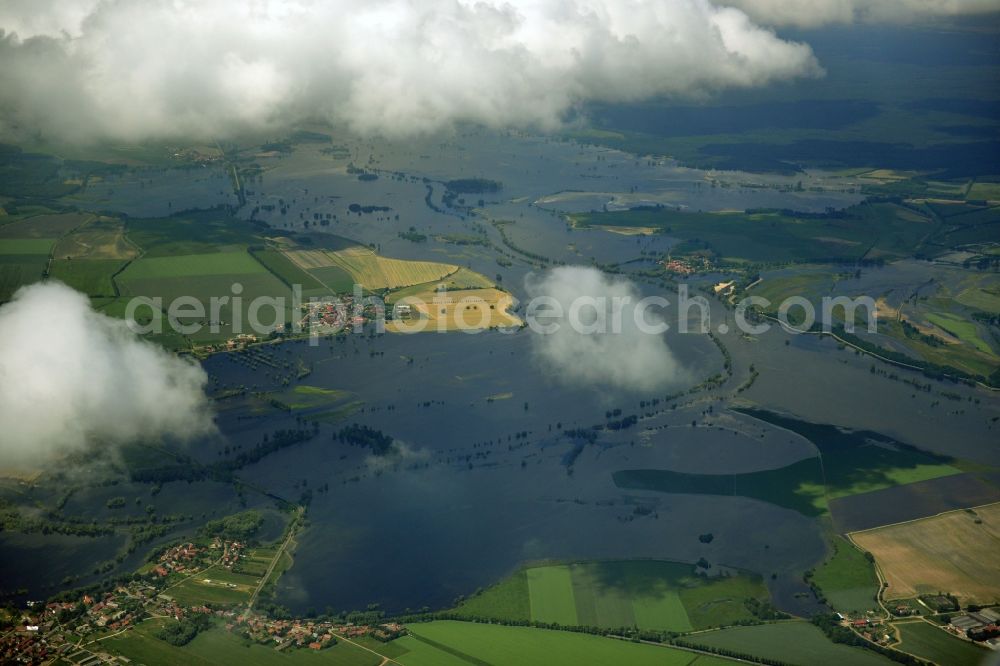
x=596, y=351
x=134, y=70
x=71, y=378
x=815, y=13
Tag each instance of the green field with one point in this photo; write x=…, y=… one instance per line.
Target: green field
x=26, y=245
x=418, y=652
x=647, y=594
x=45, y=226
x=507, y=600
x=798, y=486
x=962, y=329
x=984, y=191
x=256, y=561
x=551, y=593
x=91, y=277
x=461, y=279
x=311, y=397
x=216, y=585
x=962, y=357
x=203, y=288
x=218, y=646
x=924, y=640
x=194, y=265
x=866, y=230
x=376, y=272
x=447, y=642
x=853, y=462
x=18, y=270
x=286, y=271
x=23, y=258
x=793, y=642
x=336, y=278
x=777, y=287
x=192, y=233
x=981, y=294
x=847, y=579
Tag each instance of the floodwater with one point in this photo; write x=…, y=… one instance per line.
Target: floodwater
x=480, y=486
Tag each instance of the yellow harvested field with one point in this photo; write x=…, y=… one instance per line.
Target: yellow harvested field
x=466, y=310
x=370, y=270
x=952, y=553
x=463, y=278
x=103, y=238
x=306, y=259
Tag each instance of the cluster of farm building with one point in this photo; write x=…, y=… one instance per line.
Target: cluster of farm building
x=982, y=625
x=304, y=633
x=189, y=558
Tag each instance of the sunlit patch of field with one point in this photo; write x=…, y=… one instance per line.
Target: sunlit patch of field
x=960, y=328
x=462, y=300
x=945, y=325
x=461, y=279
x=309, y=259
x=964, y=357
x=888, y=174
x=304, y=397
x=942, y=187
x=629, y=231
x=375, y=272
x=984, y=191
x=982, y=293
x=469, y=309
x=888, y=313
x=102, y=238
x=953, y=553
x=369, y=269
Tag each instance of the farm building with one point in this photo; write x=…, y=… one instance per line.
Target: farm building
x=990, y=614
x=965, y=623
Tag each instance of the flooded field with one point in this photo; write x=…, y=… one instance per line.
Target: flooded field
x=484, y=476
